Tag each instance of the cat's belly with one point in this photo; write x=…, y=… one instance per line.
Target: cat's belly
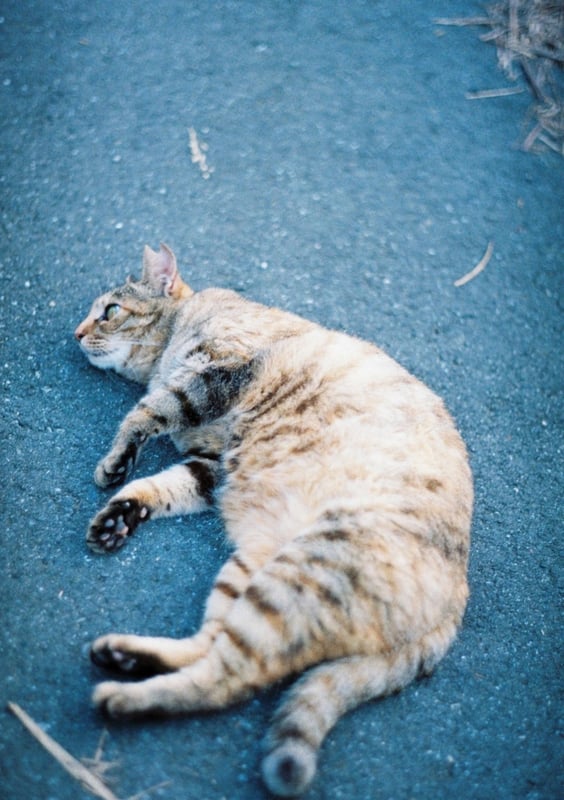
x=410, y=477
x=397, y=534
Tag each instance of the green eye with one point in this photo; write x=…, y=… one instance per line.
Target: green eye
x=111, y=310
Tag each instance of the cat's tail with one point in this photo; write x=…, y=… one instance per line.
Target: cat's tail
x=327, y=692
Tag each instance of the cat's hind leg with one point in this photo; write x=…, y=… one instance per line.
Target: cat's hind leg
x=233, y=669
x=183, y=489
x=142, y=655
x=227, y=673
x=258, y=629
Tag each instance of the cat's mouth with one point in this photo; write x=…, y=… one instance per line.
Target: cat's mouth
x=106, y=355
x=90, y=350
x=97, y=357
x=94, y=353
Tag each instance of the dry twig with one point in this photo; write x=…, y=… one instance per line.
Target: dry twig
x=485, y=94
x=90, y=771
x=154, y=788
x=97, y=765
x=88, y=779
x=481, y=265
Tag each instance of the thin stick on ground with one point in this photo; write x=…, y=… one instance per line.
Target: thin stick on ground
x=97, y=765
x=481, y=265
x=462, y=22
x=78, y=771
x=485, y=94
x=154, y=788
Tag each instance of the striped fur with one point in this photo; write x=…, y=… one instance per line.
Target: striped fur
x=344, y=488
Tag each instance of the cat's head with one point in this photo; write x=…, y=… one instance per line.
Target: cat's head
x=128, y=327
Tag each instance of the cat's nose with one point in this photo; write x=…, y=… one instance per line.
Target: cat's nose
x=79, y=332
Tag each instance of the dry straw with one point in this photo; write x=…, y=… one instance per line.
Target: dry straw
x=529, y=38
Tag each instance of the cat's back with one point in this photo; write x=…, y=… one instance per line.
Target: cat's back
x=332, y=380
x=224, y=319
x=334, y=420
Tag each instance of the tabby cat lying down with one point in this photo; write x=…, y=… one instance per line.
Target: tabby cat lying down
x=344, y=488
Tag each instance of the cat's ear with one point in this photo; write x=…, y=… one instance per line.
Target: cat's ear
x=161, y=273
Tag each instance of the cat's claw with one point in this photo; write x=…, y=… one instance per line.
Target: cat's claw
x=115, y=467
x=104, y=655
x=124, y=653
x=117, y=521
x=106, y=476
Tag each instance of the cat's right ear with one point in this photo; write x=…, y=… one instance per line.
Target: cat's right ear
x=161, y=273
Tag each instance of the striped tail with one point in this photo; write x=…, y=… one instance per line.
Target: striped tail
x=328, y=691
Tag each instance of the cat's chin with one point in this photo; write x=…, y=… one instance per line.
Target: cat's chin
x=107, y=360
x=103, y=360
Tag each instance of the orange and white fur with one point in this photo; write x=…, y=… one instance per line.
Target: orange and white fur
x=344, y=488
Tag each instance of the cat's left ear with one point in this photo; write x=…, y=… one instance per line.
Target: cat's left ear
x=161, y=273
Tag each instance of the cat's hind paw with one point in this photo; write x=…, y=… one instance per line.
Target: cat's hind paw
x=116, y=700
x=111, y=527
x=106, y=652
x=127, y=654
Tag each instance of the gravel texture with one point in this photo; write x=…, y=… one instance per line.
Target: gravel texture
x=346, y=178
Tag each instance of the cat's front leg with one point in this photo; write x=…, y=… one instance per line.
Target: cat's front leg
x=154, y=415
x=190, y=399
x=182, y=489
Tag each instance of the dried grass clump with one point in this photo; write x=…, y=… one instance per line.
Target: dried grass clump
x=529, y=38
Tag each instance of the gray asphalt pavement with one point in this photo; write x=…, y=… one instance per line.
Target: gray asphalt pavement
x=351, y=181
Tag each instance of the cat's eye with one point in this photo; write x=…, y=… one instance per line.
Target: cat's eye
x=111, y=310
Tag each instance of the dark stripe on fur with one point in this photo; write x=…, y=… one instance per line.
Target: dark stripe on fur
x=197, y=452
x=263, y=606
x=236, y=558
x=321, y=590
x=281, y=722
x=223, y=385
x=227, y=589
x=277, y=396
x=330, y=597
x=335, y=535
x=283, y=558
x=446, y=539
x=228, y=668
x=205, y=479
x=159, y=418
x=289, y=730
x=239, y=642
x=189, y=412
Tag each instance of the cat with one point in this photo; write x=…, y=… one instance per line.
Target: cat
x=344, y=488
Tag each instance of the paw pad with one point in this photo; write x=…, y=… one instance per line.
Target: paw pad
x=111, y=527
x=110, y=658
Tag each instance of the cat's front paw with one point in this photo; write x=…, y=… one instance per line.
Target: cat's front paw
x=114, y=468
x=110, y=527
